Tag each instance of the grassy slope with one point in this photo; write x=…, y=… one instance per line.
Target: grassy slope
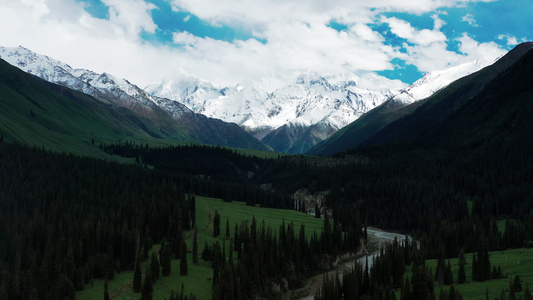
x=38, y=113
x=42, y=114
x=368, y=124
x=198, y=280
x=513, y=262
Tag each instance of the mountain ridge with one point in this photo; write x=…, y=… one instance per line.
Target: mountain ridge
x=121, y=93
x=441, y=105
x=395, y=108
x=288, y=111
x=397, y=125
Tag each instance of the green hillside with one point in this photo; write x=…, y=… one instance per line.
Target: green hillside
x=198, y=281
x=512, y=262
x=393, y=122
x=358, y=131
x=475, y=93
x=38, y=113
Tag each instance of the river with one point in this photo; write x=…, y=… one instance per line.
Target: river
x=376, y=238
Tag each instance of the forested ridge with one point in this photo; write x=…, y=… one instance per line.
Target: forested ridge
x=66, y=220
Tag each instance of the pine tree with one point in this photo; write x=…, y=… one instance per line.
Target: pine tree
x=137, y=277
x=193, y=211
x=147, y=289
x=228, y=235
x=110, y=272
x=166, y=260
x=516, y=285
x=422, y=282
x=439, y=272
x=106, y=291
x=462, y=258
x=527, y=293
x=461, y=276
x=475, y=268
x=236, y=240
x=443, y=295
x=448, y=275
x=216, y=224
x=216, y=263
x=406, y=290
x=503, y=295
x=154, y=267
x=207, y=254
x=183, y=259
x=485, y=264
x=195, y=247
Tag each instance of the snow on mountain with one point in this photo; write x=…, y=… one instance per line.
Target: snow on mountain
x=307, y=100
x=434, y=81
x=105, y=87
x=289, y=110
x=267, y=106
x=118, y=92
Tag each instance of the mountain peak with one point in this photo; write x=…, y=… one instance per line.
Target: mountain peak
x=434, y=81
x=165, y=118
x=312, y=78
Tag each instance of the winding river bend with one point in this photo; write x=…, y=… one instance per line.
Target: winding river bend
x=376, y=238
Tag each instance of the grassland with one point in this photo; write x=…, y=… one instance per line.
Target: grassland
x=198, y=281
x=513, y=262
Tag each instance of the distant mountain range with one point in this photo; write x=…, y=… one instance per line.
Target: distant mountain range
x=431, y=119
x=299, y=114
x=288, y=117
x=168, y=119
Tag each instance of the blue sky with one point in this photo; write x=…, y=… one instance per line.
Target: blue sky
x=228, y=41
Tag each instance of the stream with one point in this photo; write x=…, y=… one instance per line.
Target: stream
x=377, y=238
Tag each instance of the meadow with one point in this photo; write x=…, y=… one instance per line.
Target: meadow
x=198, y=281
x=512, y=262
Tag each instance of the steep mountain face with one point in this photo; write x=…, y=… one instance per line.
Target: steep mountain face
x=291, y=118
x=448, y=101
x=36, y=112
x=396, y=107
x=164, y=113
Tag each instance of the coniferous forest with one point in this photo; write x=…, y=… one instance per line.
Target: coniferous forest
x=458, y=188
x=67, y=220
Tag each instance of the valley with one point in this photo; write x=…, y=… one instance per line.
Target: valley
x=109, y=190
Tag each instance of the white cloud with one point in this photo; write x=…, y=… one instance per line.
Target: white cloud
x=404, y=30
x=437, y=57
x=479, y=51
x=511, y=40
x=131, y=15
x=366, y=33
x=469, y=18
x=187, y=18
x=438, y=21
x=297, y=37
x=184, y=38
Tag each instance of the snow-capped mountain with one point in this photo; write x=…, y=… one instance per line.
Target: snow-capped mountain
x=299, y=114
x=104, y=87
x=434, y=81
x=121, y=93
x=289, y=117
x=309, y=101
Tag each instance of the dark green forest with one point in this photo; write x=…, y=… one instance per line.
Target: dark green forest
x=68, y=219
x=449, y=174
